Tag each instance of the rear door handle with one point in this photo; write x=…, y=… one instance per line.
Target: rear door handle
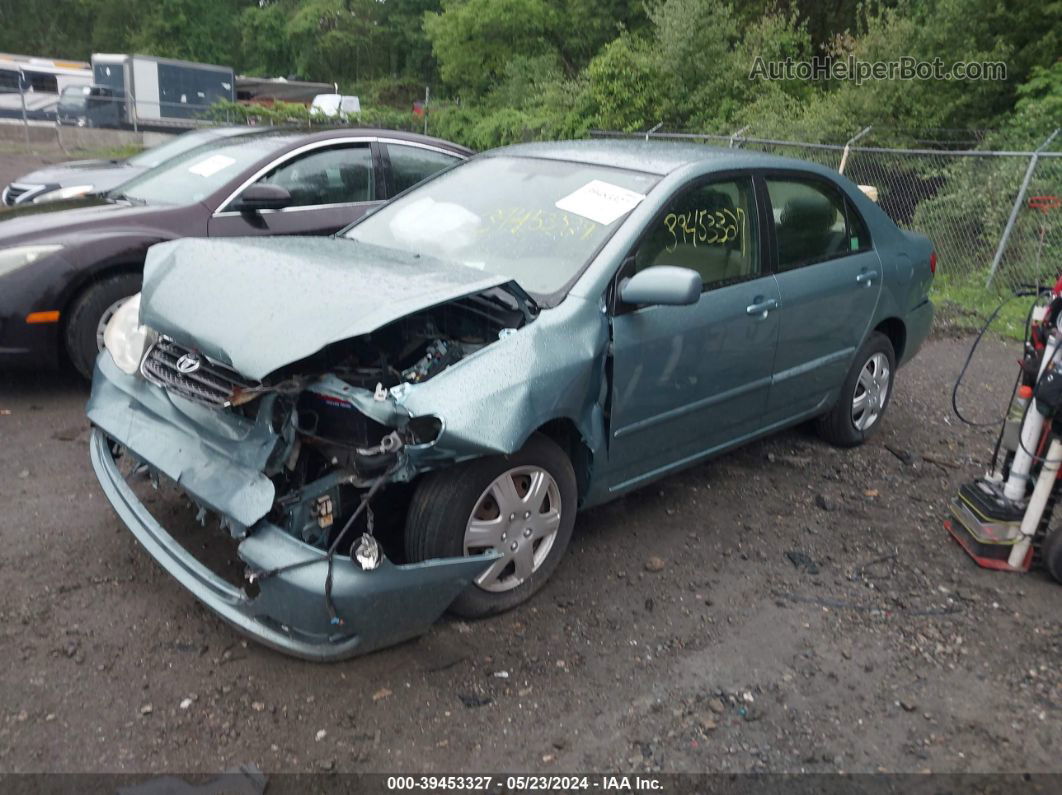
x=761, y=306
x=866, y=278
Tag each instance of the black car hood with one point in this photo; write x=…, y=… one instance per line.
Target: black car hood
x=51, y=220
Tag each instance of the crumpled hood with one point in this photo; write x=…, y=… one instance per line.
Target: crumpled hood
x=258, y=304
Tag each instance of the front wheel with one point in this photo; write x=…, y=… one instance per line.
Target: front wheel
x=864, y=396
x=89, y=315
x=521, y=506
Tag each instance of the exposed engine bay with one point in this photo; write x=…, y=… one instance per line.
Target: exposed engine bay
x=332, y=451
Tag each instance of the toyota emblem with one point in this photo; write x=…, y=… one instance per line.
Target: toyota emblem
x=189, y=363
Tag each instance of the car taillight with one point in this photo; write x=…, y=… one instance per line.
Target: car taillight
x=933, y=263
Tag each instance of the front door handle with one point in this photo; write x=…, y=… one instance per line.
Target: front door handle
x=866, y=278
x=761, y=306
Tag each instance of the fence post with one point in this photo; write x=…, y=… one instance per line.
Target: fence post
x=59, y=137
x=734, y=135
x=1018, y=202
x=847, y=146
x=22, y=97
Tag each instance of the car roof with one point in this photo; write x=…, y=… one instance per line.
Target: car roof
x=655, y=157
x=226, y=132
x=290, y=134
x=378, y=132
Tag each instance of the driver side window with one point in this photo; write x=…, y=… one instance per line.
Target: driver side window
x=709, y=228
x=338, y=175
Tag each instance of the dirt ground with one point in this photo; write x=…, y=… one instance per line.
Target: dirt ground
x=811, y=615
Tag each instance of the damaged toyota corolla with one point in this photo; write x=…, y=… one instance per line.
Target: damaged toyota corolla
x=405, y=418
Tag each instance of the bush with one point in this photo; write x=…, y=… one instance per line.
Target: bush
x=295, y=114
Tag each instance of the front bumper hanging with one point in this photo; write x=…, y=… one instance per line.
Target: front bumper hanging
x=381, y=607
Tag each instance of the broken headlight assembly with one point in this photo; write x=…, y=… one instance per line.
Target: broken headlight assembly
x=125, y=339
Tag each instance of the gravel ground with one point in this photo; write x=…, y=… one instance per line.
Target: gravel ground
x=787, y=607
x=15, y=164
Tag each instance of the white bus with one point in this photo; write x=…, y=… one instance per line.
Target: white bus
x=38, y=81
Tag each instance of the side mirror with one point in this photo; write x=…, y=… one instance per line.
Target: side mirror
x=262, y=196
x=662, y=284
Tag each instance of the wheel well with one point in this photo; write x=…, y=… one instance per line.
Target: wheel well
x=564, y=432
x=894, y=329
x=78, y=290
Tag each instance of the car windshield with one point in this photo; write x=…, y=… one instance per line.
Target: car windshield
x=180, y=144
x=533, y=220
x=194, y=175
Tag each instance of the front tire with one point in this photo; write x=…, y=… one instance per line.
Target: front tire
x=865, y=395
x=522, y=505
x=89, y=314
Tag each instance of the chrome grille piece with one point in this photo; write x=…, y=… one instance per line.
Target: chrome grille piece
x=13, y=192
x=209, y=383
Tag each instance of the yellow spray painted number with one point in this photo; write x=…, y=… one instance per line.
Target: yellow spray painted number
x=522, y=221
x=705, y=228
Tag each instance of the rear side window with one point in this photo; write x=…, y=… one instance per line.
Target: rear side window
x=412, y=164
x=813, y=222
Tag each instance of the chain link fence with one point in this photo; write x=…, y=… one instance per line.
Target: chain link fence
x=994, y=216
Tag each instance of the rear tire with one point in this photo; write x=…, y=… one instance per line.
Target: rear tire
x=480, y=505
x=89, y=313
x=851, y=422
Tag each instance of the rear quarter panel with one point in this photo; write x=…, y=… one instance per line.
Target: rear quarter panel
x=906, y=277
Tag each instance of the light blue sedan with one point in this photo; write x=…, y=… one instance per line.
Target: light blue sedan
x=407, y=417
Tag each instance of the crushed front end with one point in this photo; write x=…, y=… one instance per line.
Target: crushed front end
x=305, y=468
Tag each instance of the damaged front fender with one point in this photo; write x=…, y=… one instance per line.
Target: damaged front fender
x=490, y=403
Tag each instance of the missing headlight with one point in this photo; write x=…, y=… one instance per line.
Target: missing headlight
x=425, y=429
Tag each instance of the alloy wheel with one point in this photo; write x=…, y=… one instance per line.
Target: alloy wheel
x=871, y=392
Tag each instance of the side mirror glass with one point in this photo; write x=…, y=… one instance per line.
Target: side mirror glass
x=262, y=196
x=666, y=285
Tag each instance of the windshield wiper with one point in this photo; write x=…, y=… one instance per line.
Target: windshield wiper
x=118, y=196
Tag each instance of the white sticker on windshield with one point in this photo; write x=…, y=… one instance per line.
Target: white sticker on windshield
x=211, y=165
x=601, y=202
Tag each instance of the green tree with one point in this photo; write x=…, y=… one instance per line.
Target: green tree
x=265, y=47
x=624, y=82
x=195, y=30
x=474, y=39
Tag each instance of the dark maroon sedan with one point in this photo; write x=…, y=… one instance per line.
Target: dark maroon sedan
x=66, y=266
